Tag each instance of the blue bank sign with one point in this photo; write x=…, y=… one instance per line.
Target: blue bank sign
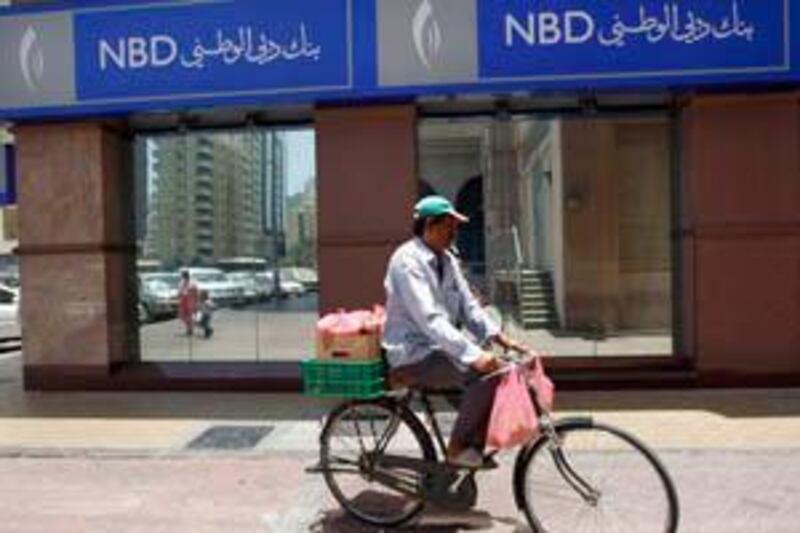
x=223, y=47
x=129, y=55
x=593, y=39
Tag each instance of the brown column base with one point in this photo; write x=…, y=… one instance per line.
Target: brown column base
x=206, y=377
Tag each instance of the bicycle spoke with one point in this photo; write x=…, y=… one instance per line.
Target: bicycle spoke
x=376, y=494
x=360, y=438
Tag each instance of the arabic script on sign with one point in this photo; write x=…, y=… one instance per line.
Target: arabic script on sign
x=252, y=47
x=668, y=22
x=682, y=26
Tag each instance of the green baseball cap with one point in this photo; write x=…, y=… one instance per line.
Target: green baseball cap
x=433, y=206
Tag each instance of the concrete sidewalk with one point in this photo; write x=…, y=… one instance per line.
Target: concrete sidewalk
x=731, y=419
x=86, y=462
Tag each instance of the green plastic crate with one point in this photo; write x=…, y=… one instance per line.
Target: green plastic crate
x=342, y=379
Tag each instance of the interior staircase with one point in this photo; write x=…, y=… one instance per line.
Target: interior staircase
x=537, y=308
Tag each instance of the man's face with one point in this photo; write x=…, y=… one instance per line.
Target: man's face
x=444, y=232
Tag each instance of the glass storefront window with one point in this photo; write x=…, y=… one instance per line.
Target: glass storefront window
x=236, y=212
x=569, y=239
x=9, y=262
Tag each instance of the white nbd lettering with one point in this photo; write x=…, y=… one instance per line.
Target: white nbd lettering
x=163, y=50
x=549, y=28
x=527, y=33
x=138, y=52
x=117, y=56
x=572, y=21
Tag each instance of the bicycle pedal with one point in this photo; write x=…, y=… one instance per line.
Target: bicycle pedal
x=488, y=464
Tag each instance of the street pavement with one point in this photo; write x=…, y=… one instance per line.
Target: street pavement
x=147, y=462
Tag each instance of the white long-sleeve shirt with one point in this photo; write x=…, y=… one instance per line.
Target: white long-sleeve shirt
x=423, y=314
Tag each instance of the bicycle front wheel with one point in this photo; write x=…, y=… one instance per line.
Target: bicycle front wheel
x=595, y=478
x=354, y=435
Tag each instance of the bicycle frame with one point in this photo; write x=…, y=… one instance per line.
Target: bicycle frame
x=429, y=478
x=549, y=432
x=378, y=463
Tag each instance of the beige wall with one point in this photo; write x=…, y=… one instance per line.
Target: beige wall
x=616, y=183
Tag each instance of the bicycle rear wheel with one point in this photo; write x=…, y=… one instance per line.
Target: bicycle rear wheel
x=350, y=439
x=599, y=478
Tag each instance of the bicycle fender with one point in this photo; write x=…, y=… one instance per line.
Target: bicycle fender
x=525, y=453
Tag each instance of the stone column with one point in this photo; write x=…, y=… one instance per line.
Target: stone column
x=77, y=251
x=367, y=183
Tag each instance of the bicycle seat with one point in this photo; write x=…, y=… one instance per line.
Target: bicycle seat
x=398, y=384
x=399, y=381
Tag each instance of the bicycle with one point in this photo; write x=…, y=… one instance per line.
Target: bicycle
x=395, y=467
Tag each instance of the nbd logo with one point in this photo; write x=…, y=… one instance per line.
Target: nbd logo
x=131, y=53
x=31, y=59
x=549, y=28
x=427, y=34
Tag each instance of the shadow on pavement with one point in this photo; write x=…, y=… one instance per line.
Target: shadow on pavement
x=337, y=521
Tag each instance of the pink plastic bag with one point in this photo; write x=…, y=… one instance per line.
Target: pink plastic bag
x=344, y=323
x=513, y=420
x=340, y=323
x=543, y=385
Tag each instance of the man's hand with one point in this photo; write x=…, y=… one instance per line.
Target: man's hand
x=486, y=363
x=508, y=343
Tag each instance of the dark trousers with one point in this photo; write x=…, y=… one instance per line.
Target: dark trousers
x=438, y=372
x=205, y=323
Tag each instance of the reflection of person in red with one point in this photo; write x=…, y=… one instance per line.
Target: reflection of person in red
x=187, y=301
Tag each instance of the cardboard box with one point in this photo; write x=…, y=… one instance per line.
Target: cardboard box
x=364, y=346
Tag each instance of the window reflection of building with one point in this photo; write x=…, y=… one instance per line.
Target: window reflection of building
x=570, y=218
x=143, y=150
x=211, y=196
x=274, y=178
x=8, y=214
x=451, y=162
x=301, y=226
x=593, y=212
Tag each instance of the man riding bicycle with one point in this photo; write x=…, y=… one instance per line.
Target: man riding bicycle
x=428, y=300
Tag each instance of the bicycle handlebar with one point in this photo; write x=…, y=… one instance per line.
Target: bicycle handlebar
x=510, y=361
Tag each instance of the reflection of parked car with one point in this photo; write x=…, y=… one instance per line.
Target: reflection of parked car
x=173, y=279
x=221, y=290
x=288, y=287
x=157, y=298
x=247, y=280
x=307, y=277
x=9, y=305
x=266, y=285
x=9, y=279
